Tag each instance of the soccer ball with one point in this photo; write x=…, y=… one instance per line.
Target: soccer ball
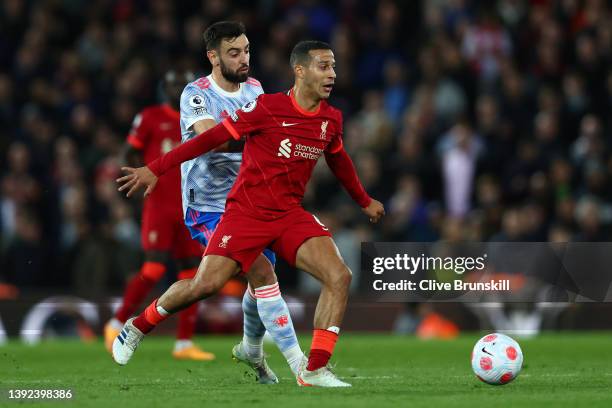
x=497, y=359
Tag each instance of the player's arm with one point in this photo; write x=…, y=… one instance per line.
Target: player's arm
x=248, y=119
x=202, y=126
x=203, y=143
x=197, y=116
x=342, y=166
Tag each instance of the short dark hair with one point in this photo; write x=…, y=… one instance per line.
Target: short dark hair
x=220, y=31
x=301, y=52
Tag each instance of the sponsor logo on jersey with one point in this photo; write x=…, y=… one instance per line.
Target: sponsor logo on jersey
x=285, y=148
x=285, y=124
x=224, y=240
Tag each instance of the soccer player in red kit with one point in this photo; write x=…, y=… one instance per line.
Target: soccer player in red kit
x=156, y=130
x=286, y=134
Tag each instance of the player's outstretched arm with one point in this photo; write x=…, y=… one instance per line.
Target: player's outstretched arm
x=202, y=143
x=146, y=177
x=342, y=166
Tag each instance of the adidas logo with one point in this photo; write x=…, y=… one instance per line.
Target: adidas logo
x=285, y=148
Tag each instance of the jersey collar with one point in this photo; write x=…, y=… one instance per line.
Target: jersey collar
x=300, y=109
x=222, y=91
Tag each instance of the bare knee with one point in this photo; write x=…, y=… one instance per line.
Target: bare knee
x=261, y=273
x=340, y=277
x=202, y=289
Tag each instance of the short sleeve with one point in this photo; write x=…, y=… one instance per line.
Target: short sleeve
x=193, y=106
x=336, y=143
x=139, y=134
x=248, y=119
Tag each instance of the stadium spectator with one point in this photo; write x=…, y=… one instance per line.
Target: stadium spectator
x=531, y=80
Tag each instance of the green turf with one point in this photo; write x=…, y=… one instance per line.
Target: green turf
x=570, y=370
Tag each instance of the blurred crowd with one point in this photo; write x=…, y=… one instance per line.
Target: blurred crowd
x=470, y=120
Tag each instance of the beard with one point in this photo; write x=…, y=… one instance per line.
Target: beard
x=233, y=76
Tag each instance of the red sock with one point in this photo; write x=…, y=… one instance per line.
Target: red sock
x=138, y=288
x=149, y=318
x=187, y=317
x=322, y=348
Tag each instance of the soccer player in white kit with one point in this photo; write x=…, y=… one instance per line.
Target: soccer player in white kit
x=207, y=180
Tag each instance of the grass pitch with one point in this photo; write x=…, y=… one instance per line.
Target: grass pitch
x=569, y=370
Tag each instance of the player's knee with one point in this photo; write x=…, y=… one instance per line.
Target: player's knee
x=341, y=277
x=261, y=273
x=202, y=289
x=261, y=277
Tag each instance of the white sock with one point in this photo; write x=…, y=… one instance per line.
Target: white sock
x=294, y=357
x=182, y=344
x=252, y=346
x=253, y=328
x=275, y=316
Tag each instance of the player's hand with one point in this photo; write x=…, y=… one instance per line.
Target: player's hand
x=374, y=211
x=137, y=178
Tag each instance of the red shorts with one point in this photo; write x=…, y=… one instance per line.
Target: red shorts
x=242, y=237
x=166, y=231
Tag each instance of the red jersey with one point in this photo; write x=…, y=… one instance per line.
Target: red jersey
x=282, y=147
x=155, y=131
x=284, y=143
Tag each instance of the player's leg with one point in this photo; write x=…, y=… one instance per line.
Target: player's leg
x=220, y=263
x=307, y=244
x=261, y=276
x=270, y=311
x=320, y=257
x=184, y=347
x=187, y=254
x=250, y=350
x=139, y=286
x=214, y=271
x=152, y=270
x=200, y=227
x=156, y=237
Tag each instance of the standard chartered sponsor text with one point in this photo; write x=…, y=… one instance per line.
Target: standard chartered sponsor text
x=307, y=152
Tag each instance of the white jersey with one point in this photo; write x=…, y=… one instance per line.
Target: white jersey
x=207, y=179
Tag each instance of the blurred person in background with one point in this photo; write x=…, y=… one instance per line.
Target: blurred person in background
x=459, y=150
x=74, y=78
x=156, y=130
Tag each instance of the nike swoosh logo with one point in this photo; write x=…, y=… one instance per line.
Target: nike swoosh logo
x=285, y=124
x=485, y=351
